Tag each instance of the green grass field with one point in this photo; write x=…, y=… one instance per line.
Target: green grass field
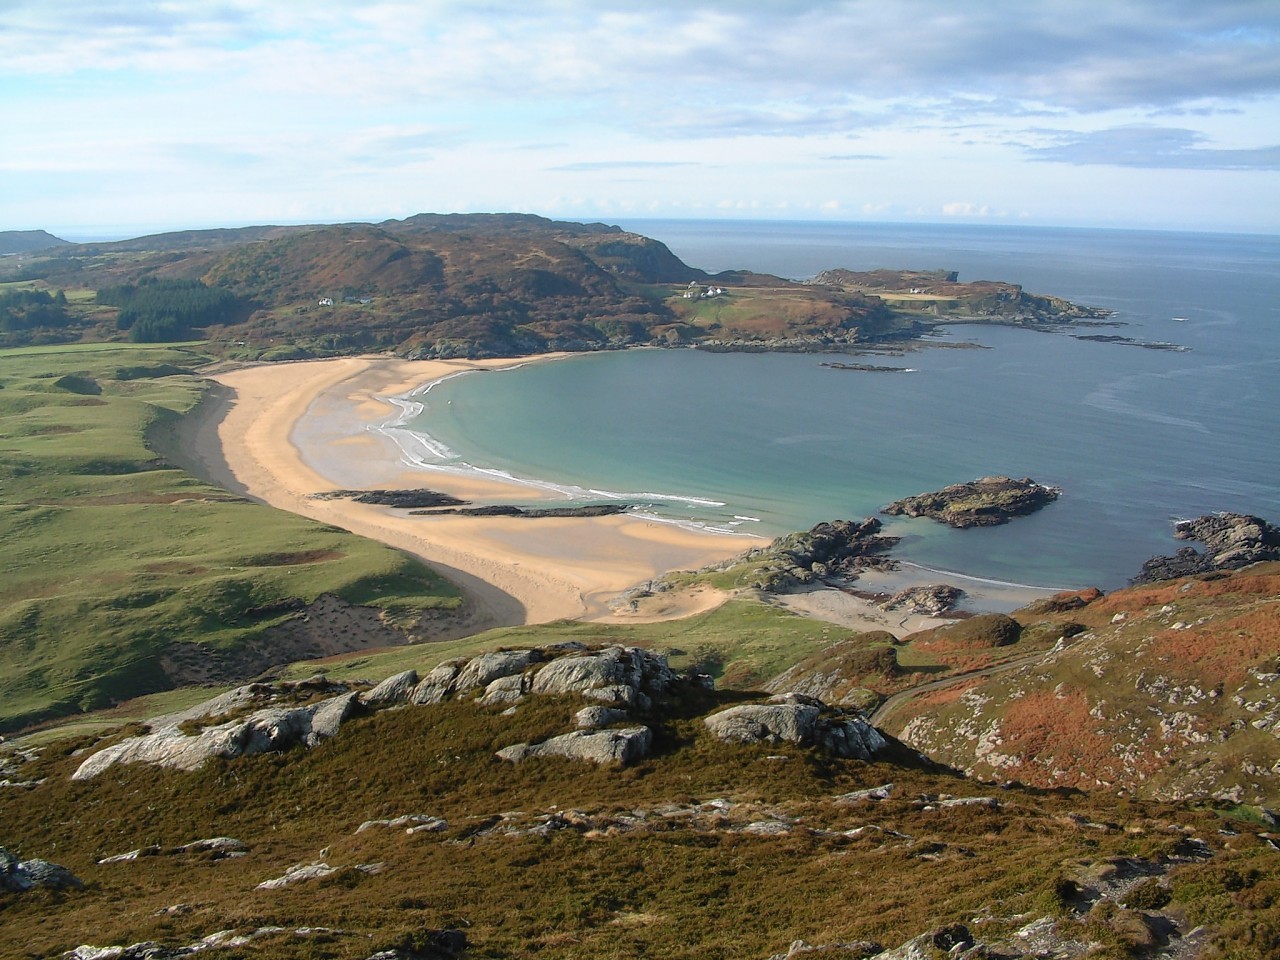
x=118, y=565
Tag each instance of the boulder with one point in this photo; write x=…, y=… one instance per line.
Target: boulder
x=626, y=675
x=603, y=746
x=794, y=718
x=19, y=876
x=435, y=686
x=483, y=669
x=931, y=600
x=595, y=717
x=1231, y=540
x=394, y=689
x=786, y=718
x=504, y=690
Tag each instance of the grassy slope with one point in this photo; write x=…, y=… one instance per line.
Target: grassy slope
x=1164, y=690
x=114, y=558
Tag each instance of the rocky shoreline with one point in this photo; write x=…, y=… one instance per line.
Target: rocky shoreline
x=1231, y=540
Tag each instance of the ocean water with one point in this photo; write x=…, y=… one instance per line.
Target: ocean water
x=768, y=443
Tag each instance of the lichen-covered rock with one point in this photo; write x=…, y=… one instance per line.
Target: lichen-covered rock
x=394, y=689
x=435, y=686
x=603, y=746
x=483, y=669
x=504, y=690
x=787, y=718
x=596, y=716
x=274, y=728
x=794, y=718
x=627, y=675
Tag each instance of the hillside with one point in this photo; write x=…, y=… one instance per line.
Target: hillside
x=126, y=575
x=482, y=285
x=1165, y=690
x=415, y=831
x=27, y=241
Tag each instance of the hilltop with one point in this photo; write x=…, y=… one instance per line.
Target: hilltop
x=470, y=285
x=28, y=241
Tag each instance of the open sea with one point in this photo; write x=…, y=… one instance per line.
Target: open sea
x=769, y=443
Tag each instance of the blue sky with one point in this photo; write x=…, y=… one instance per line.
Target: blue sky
x=123, y=116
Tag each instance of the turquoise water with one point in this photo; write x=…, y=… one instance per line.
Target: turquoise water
x=771, y=443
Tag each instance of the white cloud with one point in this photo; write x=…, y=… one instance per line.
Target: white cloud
x=889, y=106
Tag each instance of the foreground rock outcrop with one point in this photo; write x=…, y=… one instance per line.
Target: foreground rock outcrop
x=985, y=502
x=618, y=682
x=804, y=721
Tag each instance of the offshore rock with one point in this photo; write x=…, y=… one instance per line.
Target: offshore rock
x=985, y=502
x=795, y=718
x=1231, y=540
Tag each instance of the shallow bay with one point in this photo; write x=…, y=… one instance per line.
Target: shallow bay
x=766, y=443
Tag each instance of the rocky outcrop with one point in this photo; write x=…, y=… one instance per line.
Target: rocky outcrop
x=985, y=502
x=258, y=718
x=402, y=499
x=533, y=513
x=1231, y=540
x=602, y=746
x=19, y=876
x=267, y=730
x=931, y=600
x=217, y=848
x=804, y=721
x=838, y=548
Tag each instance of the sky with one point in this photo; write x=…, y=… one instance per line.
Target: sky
x=130, y=116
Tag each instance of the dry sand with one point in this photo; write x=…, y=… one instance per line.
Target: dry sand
x=283, y=432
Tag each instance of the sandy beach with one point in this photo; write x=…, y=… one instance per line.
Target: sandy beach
x=281, y=433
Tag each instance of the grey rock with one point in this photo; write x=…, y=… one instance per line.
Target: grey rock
x=483, y=669
x=882, y=792
x=297, y=873
x=395, y=689
x=271, y=729
x=787, y=718
x=219, y=846
x=603, y=746
x=18, y=876
x=595, y=717
x=435, y=686
x=794, y=718
x=504, y=690
x=413, y=821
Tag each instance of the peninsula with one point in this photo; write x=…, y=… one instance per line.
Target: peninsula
x=470, y=286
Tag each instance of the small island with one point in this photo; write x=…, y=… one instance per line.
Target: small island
x=985, y=502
